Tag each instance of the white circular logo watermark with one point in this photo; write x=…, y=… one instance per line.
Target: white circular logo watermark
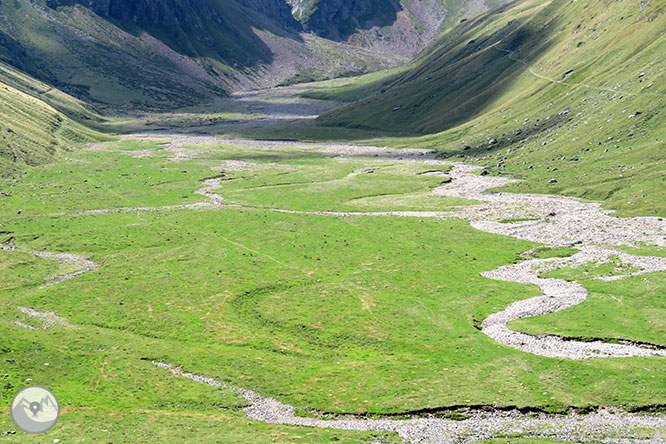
x=35, y=409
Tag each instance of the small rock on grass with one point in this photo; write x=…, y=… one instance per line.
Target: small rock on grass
x=552, y=181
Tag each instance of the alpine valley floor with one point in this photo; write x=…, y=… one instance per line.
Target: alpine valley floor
x=195, y=285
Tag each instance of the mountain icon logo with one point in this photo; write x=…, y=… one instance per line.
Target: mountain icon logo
x=35, y=409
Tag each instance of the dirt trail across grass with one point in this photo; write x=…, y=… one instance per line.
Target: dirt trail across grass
x=559, y=82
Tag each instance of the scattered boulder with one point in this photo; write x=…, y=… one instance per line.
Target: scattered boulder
x=552, y=181
x=493, y=141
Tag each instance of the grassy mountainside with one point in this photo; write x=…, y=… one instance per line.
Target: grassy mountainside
x=74, y=108
x=570, y=91
x=32, y=130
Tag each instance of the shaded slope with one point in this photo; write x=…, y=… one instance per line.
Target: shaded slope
x=339, y=20
x=77, y=51
x=189, y=27
x=168, y=53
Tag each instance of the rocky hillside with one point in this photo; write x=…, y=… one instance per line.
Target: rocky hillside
x=402, y=26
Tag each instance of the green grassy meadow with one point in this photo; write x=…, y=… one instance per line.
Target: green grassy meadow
x=319, y=312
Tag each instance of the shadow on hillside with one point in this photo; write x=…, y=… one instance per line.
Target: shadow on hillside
x=338, y=21
x=196, y=28
x=454, y=83
x=11, y=51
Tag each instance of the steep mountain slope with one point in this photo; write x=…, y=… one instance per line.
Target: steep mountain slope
x=569, y=95
x=31, y=130
x=193, y=28
x=166, y=53
x=402, y=26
